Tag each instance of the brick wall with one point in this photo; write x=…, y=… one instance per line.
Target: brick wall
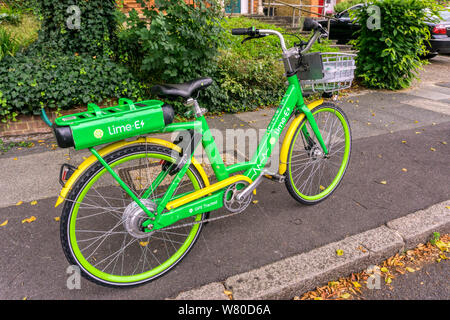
x=26, y=124
x=33, y=124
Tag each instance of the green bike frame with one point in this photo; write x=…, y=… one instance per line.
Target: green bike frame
x=212, y=196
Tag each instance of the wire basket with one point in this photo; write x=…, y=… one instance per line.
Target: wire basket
x=338, y=73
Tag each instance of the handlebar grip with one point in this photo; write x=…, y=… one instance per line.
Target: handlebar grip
x=239, y=31
x=244, y=31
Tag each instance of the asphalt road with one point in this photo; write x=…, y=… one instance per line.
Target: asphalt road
x=32, y=264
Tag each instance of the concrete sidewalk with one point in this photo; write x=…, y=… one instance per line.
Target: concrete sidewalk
x=390, y=130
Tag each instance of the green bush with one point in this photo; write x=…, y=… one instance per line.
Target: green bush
x=176, y=42
x=61, y=82
x=389, y=57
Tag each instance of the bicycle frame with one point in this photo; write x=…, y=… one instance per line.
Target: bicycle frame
x=211, y=197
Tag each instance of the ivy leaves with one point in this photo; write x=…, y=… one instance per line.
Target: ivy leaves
x=61, y=81
x=95, y=36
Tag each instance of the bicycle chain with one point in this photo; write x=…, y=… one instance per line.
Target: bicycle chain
x=197, y=222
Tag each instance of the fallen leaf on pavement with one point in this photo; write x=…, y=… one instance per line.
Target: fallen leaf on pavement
x=405, y=170
x=56, y=218
x=345, y=295
x=383, y=182
x=4, y=223
x=19, y=203
x=384, y=269
x=229, y=294
x=432, y=149
x=143, y=244
x=339, y=252
x=33, y=203
x=409, y=269
x=442, y=245
x=29, y=220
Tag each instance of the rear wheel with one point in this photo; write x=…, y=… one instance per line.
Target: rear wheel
x=101, y=228
x=311, y=175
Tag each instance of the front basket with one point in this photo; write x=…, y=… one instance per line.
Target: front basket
x=338, y=73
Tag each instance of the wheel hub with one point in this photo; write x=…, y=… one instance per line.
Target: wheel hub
x=316, y=153
x=134, y=216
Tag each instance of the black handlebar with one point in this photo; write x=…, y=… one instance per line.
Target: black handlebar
x=245, y=32
x=311, y=24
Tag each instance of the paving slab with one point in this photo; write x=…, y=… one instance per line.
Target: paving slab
x=418, y=227
x=211, y=291
x=282, y=279
x=381, y=242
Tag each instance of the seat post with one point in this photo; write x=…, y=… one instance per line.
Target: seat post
x=195, y=107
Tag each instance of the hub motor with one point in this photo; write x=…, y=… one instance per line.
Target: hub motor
x=134, y=216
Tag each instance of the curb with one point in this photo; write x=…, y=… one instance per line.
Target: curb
x=303, y=272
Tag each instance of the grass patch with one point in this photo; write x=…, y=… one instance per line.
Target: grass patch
x=24, y=32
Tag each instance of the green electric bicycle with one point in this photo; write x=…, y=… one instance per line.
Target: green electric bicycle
x=134, y=209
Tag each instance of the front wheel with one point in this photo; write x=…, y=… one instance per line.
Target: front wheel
x=312, y=176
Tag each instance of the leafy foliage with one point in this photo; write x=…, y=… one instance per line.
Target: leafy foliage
x=10, y=15
x=96, y=32
x=175, y=41
x=61, y=81
x=20, y=4
x=388, y=57
x=65, y=68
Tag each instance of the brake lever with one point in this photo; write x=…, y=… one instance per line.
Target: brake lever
x=253, y=37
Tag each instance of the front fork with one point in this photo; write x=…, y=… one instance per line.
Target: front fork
x=302, y=107
x=314, y=127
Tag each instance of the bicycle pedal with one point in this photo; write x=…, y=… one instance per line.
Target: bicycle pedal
x=275, y=177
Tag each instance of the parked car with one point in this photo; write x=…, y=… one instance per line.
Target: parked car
x=343, y=29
